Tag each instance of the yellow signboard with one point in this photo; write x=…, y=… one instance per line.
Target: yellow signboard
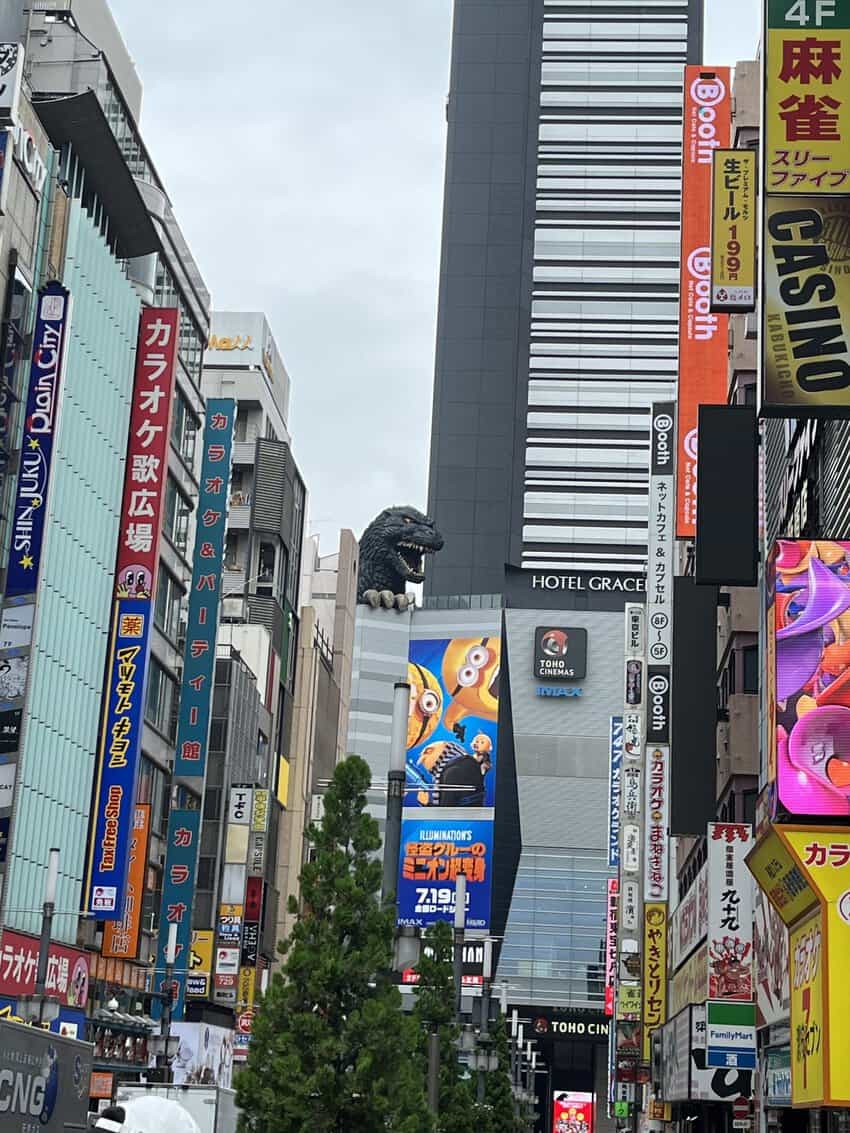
x=199, y=968
x=201, y=957
x=807, y=97
x=628, y=1002
x=823, y=854
x=654, y=971
x=689, y=983
x=733, y=230
x=807, y=1012
x=260, y=812
x=780, y=878
x=806, y=305
x=247, y=980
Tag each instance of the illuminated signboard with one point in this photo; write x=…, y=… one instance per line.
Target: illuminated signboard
x=809, y=699
x=733, y=231
x=702, y=333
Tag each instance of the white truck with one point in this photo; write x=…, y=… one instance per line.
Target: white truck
x=212, y=1107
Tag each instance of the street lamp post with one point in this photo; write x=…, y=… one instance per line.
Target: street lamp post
x=460, y=925
x=48, y=909
x=484, y=1062
x=165, y=1027
x=395, y=789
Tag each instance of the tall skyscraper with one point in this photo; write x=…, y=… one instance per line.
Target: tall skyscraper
x=557, y=330
x=559, y=282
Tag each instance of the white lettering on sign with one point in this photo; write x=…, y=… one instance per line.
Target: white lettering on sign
x=628, y=584
x=707, y=92
x=21, y=1093
x=27, y=154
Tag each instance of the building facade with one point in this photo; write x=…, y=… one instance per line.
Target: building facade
x=558, y=285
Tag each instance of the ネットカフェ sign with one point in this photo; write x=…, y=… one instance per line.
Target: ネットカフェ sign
x=560, y=653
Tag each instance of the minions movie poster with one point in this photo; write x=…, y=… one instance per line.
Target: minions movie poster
x=452, y=728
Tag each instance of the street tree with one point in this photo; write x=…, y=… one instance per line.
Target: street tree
x=435, y=1011
x=331, y=1050
x=499, y=1095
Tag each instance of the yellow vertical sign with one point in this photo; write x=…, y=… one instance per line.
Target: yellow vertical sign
x=807, y=97
x=733, y=230
x=807, y=1014
x=247, y=981
x=823, y=854
x=654, y=971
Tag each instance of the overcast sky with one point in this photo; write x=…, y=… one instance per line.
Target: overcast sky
x=302, y=145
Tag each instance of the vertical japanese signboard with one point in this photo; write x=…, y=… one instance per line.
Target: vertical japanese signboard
x=733, y=231
x=121, y=938
x=181, y=858
x=702, y=333
x=657, y=820
x=806, y=310
x=137, y=559
x=30, y=507
x=820, y=989
x=654, y=972
x=730, y=912
x=808, y=1023
x=807, y=97
x=193, y=722
x=611, y=945
x=614, y=787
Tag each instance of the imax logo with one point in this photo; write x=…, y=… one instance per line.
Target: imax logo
x=543, y=690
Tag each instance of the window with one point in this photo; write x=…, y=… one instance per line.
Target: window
x=161, y=700
x=153, y=791
x=167, y=609
x=177, y=512
x=184, y=428
x=265, y=569
x=750, y=666
x=206, y=873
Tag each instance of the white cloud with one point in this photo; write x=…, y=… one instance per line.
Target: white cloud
x=303, y=147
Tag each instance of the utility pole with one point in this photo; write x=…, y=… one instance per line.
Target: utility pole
x=395, y=789
x=484, y=1032
x=460, y=926
x=165, y=1025
x=48, y=909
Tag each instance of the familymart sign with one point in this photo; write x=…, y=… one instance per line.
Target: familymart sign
x=730, y=1034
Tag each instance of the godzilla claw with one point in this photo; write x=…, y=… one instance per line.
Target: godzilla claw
x=372, y=597
x=387, y=598
x=405, y=601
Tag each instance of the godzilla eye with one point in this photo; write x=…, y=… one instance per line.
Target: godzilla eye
x=478, y=656
x=429, y=703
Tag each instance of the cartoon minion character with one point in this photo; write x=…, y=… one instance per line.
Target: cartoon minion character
x=426, y=704
x=471, y=676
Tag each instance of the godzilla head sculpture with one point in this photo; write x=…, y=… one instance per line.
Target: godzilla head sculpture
x=391, y=556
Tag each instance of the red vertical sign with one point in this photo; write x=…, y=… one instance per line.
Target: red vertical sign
x=702, y=334
x=611, y=944
x=147, y=453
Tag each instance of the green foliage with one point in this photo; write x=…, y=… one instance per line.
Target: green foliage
x=435, y=1009
x=331, y=1050
x=499, y=1096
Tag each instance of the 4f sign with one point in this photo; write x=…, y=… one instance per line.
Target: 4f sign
x=814, y=13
